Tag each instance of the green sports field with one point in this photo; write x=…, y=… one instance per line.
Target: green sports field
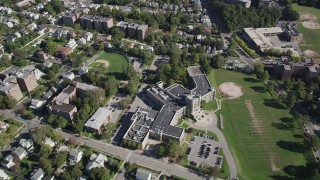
x=311, y=37
x=251, y=127
x=117, y=62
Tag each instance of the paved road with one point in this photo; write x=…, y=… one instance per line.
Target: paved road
x=128, y=155
x=135, y=157
x=210, y=123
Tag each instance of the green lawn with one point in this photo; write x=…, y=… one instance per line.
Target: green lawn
x=311, y=37
x=117, y=62
x=257, y=156
x=210, y=106
x=225, y=171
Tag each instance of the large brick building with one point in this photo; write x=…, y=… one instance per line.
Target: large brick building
x=98, y=23
x=14, y=80
x=133, y=30
x=61, y=104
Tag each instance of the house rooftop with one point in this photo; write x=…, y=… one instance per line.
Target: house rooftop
x=98, y=118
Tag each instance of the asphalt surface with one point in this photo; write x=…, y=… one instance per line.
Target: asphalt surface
x=128, y=155
x=222, y=143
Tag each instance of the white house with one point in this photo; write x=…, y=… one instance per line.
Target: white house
x=69, y=76
x=8, y=162
x=143, y=174
x=17, y=34
x=75, y=155
x=38, y=74
x=36, y=104
x=37, y=174
x=3, y=175
x=49, y=142
x=10, y=24
x=82, y=41
x=3, y=126
x=27, y=144
x=20, y=152
x=83, y=70
x=96, y=161
x=71, y=44
x=88, y=36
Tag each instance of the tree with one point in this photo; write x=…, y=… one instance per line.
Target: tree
x=55, y=68
x=263, y=77
x=61, y=122
x=51, y=47
x=218, y=61
x=111, y=85
x=45, y=151
x=124, y=103
x=169, y=148
x=99, y=173
x=59, y=159
x=311, y=141
x=195, y=58
x=161, y=151
x=46, y=165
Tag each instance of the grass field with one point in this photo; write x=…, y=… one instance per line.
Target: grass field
x=117, y=62
x=311, y=37
x=258, y=156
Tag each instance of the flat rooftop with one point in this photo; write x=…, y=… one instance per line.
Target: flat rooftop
x=166, y=114
x=63, y=107
x=143, y=121
x=98, y=118
x=202, y=84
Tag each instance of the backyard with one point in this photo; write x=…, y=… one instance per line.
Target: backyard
x=114, y=62
x=251, y=126
x=311, y=37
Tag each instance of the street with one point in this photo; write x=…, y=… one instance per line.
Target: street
x=128, y=155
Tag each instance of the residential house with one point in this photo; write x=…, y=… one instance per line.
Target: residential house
x=63, y=52
x=49, y=142
x=3, y=175
x=25, y=3
x=37, y=174
x=98, y=120
x=20, y=152
x=49, y=94
x=10, y=24
x=82, y=41
x=27, y=144
x=69, y=75
x=3, y=126
x=88, y=36
x=83, y=70
x=9, y=161
x=42, y=55
x=75, y=155
x=143, y=174
x=47, y=64
x=17, y=35
x=96, y=161
x=36, y=104
x=71, y=44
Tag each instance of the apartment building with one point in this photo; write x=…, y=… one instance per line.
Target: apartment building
x=98, y=23
x=133, y=30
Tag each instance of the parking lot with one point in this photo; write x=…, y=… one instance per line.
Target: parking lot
x=113, y=105
x=204, y=150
